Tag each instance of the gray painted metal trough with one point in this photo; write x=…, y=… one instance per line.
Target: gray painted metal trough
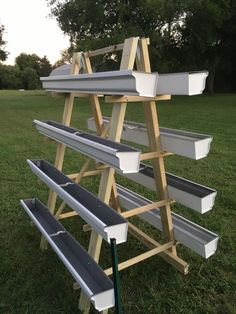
x=122, y=82
x=89, y=275
x=191, y=235
x=183, y=143
x=120, y=156
x=102, y=218
x=188, y=193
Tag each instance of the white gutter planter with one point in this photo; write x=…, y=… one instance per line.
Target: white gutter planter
x=187, y=144
x=191, y=235
x=120, y=156
x=123, y=82
x=102, y=218
x=185, y=83
x=89, y=275
x=195, y=196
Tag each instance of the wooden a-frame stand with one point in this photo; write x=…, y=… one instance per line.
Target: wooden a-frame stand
x=135, y=50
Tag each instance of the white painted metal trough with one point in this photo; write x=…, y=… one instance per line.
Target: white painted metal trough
x=89, y=275
x=187, y=144
x=185, y=83
x=188, y=193
x=191, y=235
x=119, y=156
x=102, y=218
x=109, y=83
x=122, y=82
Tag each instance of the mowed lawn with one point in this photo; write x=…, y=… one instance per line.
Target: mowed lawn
x=32, y=281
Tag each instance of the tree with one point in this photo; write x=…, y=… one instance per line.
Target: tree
x=207, y=36
x=28, y=61
x=95, y=24
x=3, y=53
x=91, y=24
x=45, y=67
x=30, y=78
x=41, y=65
x=10, y=77
x=66, y=57
x=185, y=34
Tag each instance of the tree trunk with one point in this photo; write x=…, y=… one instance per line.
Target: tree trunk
x=211, y=77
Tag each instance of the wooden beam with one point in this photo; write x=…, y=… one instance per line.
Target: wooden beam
x=76, y=94
x=68, y=215
x=172, y=259
x=109, y=49
x=101, y=129
x=107, y=177
x=86, y=174
x=141, y=236
x=105, y=50
x=152, y=155
x=118, y=99
x=67, y=113
x=152, y=125
x=129, y=53
x=145, y=208
x=81, y=174
x=135, y=260
x=141, y=257
x=77, y=180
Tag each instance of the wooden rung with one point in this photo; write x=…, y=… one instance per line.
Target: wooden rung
x=67, y=215
x=136, y=259
x=141, y=257
x=145, y=208
x=172, y=259
x=119, y=99
x=109, y=49
x=100, y=166
x=104, y=50
x=152, y=155
x=87, y=228
x=73, y=176
x=79, y=95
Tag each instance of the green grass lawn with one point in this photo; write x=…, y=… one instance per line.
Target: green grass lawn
x=32, y=281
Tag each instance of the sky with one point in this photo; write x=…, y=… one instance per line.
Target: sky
x=29, y=29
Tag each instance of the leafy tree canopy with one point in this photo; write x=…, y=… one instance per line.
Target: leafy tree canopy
x=10, y=77
x=97, y=23
x=185, y=34
x=3, y=53
x=41, y=65
x=30, y=78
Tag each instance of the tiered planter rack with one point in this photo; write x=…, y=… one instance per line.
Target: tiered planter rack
x=106, y=215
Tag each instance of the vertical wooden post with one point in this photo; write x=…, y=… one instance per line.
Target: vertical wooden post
x=67, y=113
x=155, y=145
x=97, y=114
x=107, y=177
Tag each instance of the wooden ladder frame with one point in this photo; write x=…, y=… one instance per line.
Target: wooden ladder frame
x=134, y=50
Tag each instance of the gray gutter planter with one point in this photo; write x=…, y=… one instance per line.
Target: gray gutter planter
x=123, y=82
x=105, y=220
x=191, y=235
x=195, y=196
x=183, y=143
x=61, y=70
x=185, y=83
x=89, y=275
x=119, y=156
